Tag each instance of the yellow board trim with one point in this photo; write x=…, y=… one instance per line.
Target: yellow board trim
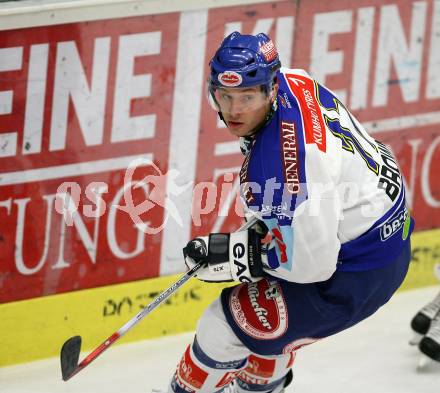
x=37, y=328
x=425, y=253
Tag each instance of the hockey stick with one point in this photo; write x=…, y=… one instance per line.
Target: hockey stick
x=72, y=347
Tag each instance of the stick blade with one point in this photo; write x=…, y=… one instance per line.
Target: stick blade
x=69, y=356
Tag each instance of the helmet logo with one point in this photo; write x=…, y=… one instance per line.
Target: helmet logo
x=230, y=78
x=269, y=51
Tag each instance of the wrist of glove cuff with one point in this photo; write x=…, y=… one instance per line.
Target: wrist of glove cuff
x=228, y=256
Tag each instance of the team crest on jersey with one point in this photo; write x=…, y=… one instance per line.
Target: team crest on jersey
x=230, y=79
x=258, y=315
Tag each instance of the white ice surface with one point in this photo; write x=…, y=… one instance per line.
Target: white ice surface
x=372, y=357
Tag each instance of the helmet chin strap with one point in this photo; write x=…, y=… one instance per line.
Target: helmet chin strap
x=222, y=118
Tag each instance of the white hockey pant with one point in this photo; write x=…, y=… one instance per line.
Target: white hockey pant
x=216, y=357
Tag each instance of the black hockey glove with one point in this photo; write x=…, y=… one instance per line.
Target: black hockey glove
x=227, y=256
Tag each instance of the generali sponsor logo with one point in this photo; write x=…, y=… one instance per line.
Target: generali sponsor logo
x=256, y=314
x=289, y=151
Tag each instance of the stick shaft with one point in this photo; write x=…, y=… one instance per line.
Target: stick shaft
x=145, y=311
x=135, y=320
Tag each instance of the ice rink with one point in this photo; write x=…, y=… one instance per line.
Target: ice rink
x=372, y=357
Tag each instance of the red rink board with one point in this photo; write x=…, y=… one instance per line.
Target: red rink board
x=393, y=45
x=53, y=257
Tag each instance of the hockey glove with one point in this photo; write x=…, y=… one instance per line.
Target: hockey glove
x=227, y=256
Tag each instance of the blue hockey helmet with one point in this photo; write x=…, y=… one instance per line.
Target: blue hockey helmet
x=244, y=61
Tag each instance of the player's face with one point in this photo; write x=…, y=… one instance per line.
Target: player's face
x=243, y=109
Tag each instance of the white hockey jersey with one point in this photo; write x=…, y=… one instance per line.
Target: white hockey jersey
x=331, y=196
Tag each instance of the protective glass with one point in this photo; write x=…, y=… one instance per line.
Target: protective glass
x=235, y=101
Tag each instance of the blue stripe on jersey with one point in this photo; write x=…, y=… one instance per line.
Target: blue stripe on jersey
x=273, y=165
x=325, y=98
x=280, y=172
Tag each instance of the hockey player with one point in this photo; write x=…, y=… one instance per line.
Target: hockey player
x=331, y=207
